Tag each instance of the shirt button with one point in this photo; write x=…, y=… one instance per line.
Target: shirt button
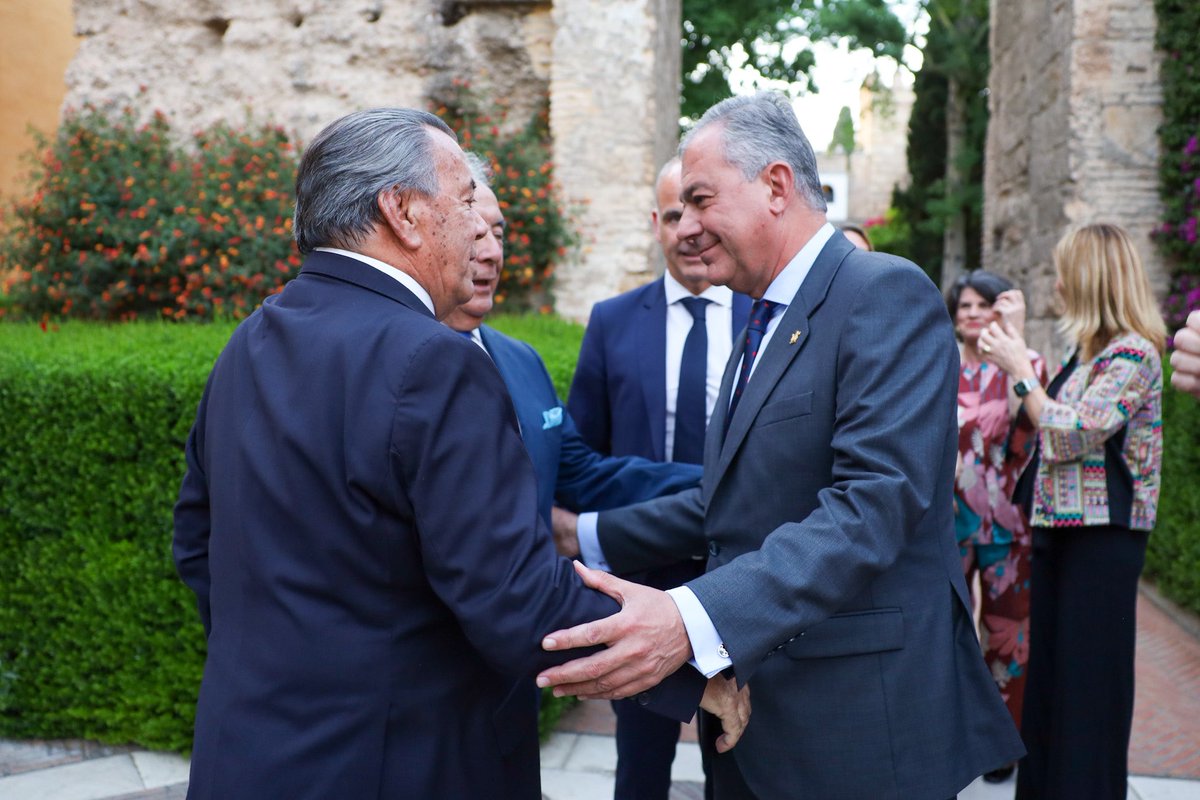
x=643, y=699
x=713, y=549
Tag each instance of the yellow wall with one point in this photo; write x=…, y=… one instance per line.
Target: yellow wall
x=37, y=42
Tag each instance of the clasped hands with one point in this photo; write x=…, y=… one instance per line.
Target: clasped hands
x=646, y=641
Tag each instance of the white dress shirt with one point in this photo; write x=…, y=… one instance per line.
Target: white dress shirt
x=718, y=322
x=709, y=655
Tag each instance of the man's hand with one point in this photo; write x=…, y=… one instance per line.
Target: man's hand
x=646, y=642
x=563, y=525
x=1186, y=358
x=723, y=699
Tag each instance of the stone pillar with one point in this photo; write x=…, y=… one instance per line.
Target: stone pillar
x=1075, y=104
x=614, y=115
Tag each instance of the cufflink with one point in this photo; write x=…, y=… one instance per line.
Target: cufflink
x=721, y=651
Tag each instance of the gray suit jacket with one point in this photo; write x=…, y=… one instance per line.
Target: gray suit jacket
x=833, y=574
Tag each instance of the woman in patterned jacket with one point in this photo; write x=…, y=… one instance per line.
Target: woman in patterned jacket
x=1092, y=492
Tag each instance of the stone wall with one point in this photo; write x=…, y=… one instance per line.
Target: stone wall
x=1075, y=103
x=302, y=63
x=615, y=120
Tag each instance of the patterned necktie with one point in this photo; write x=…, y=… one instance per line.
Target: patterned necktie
x=691, y=405
x=760, y=316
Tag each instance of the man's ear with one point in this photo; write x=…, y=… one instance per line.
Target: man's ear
x=781, y=183
x=400, y=212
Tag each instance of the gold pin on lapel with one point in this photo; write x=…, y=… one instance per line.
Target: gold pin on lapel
x=795, y=337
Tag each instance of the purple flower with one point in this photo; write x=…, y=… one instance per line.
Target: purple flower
x=1189, y=230
x=1192, y=147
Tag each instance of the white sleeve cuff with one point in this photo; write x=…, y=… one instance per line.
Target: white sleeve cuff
x=708, y=651
x=589, y=542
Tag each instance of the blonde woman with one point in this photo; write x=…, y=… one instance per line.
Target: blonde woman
x=1092, y=492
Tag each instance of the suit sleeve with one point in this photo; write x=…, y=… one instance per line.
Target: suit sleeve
x=892, y=430
x=653, y=534
x=589, y=481
x=587, y=401
x=193, y=519
x=457, y=458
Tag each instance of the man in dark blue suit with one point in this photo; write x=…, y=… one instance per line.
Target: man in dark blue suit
x=569, y=472
x=631, y=397
x=359, y=516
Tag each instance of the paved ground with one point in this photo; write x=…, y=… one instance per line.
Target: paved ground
x=578, y=760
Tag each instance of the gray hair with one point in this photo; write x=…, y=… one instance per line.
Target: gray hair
x=759, y=130
x=481, y=170
x=350, y=162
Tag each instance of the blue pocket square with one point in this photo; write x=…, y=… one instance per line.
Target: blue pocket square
x=551, y=418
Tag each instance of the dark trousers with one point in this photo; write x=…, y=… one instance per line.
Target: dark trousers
x=646, y=741
x=1082, y=634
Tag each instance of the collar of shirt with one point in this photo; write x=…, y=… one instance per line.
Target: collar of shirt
x=408, y=281
x=783, y=289
x=676, y=291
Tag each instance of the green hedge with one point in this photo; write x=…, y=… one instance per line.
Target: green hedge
x=98, y=637
x=1173, y=559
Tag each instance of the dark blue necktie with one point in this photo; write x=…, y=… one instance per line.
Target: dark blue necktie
x=760, y=316
x=690, y=402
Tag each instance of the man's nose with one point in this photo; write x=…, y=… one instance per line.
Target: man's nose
x=689, y=225
x=481, y=227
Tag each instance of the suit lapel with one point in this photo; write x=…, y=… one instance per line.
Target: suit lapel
x=652, y=358
x=788, y=339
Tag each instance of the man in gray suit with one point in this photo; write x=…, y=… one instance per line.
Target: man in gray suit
x=833, y=586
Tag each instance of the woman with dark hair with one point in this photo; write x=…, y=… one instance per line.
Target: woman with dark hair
x=994, y=444
x=1092, y=494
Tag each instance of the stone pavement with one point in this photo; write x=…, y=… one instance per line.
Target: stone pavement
x=578, y=760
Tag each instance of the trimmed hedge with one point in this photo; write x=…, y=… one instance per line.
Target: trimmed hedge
x=99, y=639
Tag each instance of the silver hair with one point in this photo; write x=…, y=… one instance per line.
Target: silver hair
x=350, y=163
x=759, y=130
x=481, y=170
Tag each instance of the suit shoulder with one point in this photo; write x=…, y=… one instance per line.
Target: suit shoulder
x=870, y=272
x=626, y=302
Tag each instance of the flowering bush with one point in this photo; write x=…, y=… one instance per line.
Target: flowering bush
x=1183, y=299
x=1179, y=235
x=124, y=223
x=540, y=232
x=1179, y=168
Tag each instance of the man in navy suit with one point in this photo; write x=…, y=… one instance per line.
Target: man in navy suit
x=569, y=472
x=833, y=585
x=359, y=515
x=629, y=397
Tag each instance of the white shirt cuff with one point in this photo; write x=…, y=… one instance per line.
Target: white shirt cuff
x=589, y=542
x=708, y=651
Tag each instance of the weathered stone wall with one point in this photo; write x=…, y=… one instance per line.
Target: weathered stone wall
x=615, y=119
x=1075, y=103
x=302, y=63
x=881, y=162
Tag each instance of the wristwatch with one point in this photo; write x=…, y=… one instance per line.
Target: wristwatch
x=1022, y=388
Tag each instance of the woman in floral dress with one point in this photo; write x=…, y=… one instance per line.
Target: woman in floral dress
x=994, y=444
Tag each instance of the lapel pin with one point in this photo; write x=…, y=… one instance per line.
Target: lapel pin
x=795, y=337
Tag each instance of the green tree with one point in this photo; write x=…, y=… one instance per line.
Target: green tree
x=717, y=33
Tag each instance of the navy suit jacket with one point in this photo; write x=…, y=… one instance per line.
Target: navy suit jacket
x=619, y=394
x=359, y=523
x=833, y=576
x=568, y=471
